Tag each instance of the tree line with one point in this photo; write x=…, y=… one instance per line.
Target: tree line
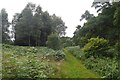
x=106, y=25
x=32, y=26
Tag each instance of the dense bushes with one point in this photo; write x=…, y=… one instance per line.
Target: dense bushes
x=96, y=47
x=101, y=58
x=29, y=66
x=106, y=67
x=26, y=62
x=54, y=42
x=20, y=62
x=117, y=48
x=112, y=52
x=83, y=41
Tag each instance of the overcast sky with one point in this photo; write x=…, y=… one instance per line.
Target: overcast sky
x=69, y=10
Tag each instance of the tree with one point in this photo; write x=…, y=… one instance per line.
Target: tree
x=86, y=15
x=33, y=26
x=66, y=41
x=117, y=26
x=58, y=26
x=102, y=25
x=0, y=28
x=117, y=19
x=5, y=26
x=15, y=20
x=46, y=28
x=38, y=24
x=54, y=42
x=23, y=27
x=81, y=32
x=101, y=5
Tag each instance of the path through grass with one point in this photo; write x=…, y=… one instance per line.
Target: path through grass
x=73, y=68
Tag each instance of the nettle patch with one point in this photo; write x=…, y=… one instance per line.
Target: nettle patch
x=27, y=62
x=28, y=67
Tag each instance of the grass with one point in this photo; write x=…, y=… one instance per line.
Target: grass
x=73, y=68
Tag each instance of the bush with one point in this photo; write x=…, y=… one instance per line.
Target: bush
x=76, y=51
x=66, y=41
x=112, y=52
x=54, y=42
x=59, y=55
x=30, y=67
x=105, y=67
x=117, y=48
x=96, y=47
x=25, y=62
x=83, y=41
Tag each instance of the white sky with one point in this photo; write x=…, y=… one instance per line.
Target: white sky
x=69, y=10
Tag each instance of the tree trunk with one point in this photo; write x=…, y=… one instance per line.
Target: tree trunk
x=29, y=40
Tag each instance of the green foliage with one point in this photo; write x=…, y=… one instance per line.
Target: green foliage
x=112, y=52
x=54, y=42
x=86, y=15
x=117, y=14
x=30, y=68
x=25, y=63
x=105, y=25
x=106, y=67
x=59, y=55
x=66, y=41
x=96, y=47
x=4, y=26
x=58, y=26
x=83, y=41
x=33, y=26
x=76, y=51
x=101, y=6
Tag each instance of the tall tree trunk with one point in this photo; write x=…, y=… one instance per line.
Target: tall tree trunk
x=36, y=41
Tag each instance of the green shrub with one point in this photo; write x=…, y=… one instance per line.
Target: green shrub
x=66, y=41
x=9, y=66
x=25, y=62
x=83, y=41
x=54, y=42
x=6, y=46
x=76, y=51
x=106, y=67
x=30, y=67
x=96, y=47
x=112, y=52
x=117, y=48
x=59, y=55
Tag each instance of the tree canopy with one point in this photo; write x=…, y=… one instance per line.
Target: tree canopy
x=33, y=26
x=105, y=25
x=4, y=25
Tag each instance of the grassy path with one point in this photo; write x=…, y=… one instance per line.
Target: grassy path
x=73, y=68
